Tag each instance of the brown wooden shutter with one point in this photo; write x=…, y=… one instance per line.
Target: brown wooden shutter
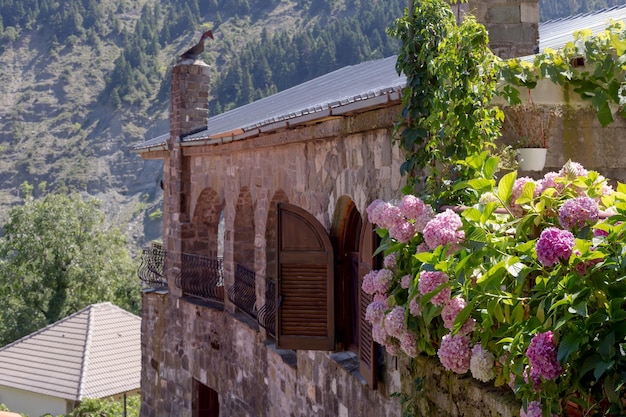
x=368, y=354
x=305, y=282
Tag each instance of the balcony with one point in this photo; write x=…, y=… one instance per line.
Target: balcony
x=203, y=278
x=151, y=268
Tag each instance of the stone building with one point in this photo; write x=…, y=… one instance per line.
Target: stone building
x=260, y=312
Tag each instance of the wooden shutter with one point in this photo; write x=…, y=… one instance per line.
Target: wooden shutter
x=305, y=282
x=368, y=352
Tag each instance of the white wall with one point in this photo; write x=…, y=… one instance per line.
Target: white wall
x=33, y=404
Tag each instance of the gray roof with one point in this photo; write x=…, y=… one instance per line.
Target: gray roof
x=365, y=85
x=94, y=353
x=556, y=33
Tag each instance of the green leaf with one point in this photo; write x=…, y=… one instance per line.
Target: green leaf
x=462, y=317
x=601, y=368
x=605, y=116
x=491, y=166
x=505, y=186
x=569, y=344
x=471, y=214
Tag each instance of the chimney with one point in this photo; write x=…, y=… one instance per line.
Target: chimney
x=189, y=107
x=189, y=111
x=513, y=25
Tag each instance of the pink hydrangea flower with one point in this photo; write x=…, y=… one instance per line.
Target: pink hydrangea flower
x=553, y=245
x=444, y=230
x=402, y=231
x=548, y=181
x=389, y=261
x=382, y=298
x=368, y=285
x=578, y=212
x=482, y=364
x=455, y=353
x=372, y=214
x=388, y=215
x=411, y=207
x=394, y=322
x=379, y=334
x=382, y=280
x=422, y=220
x=534, y=410
x=392, y=346
x=375, y=311
x=405, y=281
x=542, y=356
x=415, y=308
x=429, y=281
x=408, y=344
x=452, y=309
x=518, y=187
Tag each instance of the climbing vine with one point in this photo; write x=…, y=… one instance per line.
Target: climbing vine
x=591, y=65
x=451, y=79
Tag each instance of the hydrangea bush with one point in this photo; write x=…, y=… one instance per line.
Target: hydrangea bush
x=525, y=290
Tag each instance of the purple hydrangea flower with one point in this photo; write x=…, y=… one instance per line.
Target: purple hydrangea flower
x=375, y=311
x=553, y=245
x=455, y=353
x=578, y=212
x=429, y=281
x=534, y=410
x=372, y=214
x=542, y=356
x=408, y=344
x=415, y=308
x=405, y=281
x=389, y=261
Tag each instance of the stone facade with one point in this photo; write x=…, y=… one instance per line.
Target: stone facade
x=194, y=349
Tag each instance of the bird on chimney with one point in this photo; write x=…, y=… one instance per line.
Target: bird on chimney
x=197, y=49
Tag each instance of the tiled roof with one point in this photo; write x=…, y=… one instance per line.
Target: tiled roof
x=94, y=353
x=358, y=86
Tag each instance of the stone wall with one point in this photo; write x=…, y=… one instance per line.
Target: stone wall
x=513, y=25
x=577, y=135
x=183, y=342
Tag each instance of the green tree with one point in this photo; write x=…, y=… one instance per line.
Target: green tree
x=57, y=257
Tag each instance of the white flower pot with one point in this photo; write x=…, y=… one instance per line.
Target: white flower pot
x=531, y=159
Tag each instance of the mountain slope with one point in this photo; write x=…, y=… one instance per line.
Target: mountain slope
x=83, y=81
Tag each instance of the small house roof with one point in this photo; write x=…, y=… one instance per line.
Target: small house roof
x=94, y=353
x=366, y=85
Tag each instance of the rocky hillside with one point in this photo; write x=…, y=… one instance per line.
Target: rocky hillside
x=82, y=82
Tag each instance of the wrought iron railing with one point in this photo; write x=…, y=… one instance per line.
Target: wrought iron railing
x=267, y=313
x=243, y=292
x=201, y=277
x=151, y=269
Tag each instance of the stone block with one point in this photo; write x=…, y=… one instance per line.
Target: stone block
x=503, y=14
x=529, y=12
